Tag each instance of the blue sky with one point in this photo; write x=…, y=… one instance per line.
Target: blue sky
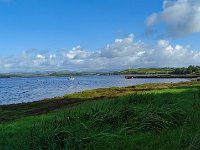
x=80, y=32
x=55, y=24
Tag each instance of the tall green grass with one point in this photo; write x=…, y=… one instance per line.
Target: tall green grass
x=163, y=119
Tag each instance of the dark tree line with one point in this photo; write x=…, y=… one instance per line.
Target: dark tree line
x=189, y=70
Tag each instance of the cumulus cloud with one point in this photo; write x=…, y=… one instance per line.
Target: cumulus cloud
x=121, y=54
x=181, y=17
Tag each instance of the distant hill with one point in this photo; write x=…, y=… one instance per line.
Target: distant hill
x=148, y=71
x=191, y=70
x=178, y=71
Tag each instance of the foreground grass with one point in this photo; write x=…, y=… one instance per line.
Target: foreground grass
x=165, y=118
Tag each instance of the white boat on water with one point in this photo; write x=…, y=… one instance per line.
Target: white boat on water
x=71, y=78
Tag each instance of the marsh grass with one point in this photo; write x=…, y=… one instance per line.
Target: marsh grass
x=161, y=119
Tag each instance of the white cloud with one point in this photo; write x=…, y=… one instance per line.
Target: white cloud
x=121, y=54
x=181, y=17
x=39, y=56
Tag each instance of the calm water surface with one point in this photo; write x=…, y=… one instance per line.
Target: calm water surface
x=18, y=90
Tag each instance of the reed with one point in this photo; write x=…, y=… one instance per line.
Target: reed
x=159, y=119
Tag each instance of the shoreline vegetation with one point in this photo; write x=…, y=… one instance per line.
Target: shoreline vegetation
x=14, y=111
x=146, y=116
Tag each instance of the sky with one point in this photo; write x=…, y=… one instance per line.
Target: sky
x=98, y=35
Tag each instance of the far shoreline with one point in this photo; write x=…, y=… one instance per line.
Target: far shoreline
x=189, y=76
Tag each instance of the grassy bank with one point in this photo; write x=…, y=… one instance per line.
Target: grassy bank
x=154, y=116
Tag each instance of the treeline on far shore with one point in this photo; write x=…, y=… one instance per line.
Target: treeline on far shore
x=191, y=69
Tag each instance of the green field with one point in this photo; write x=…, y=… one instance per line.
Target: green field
x=191, y=70
x=148, y=71
x=157, y=116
